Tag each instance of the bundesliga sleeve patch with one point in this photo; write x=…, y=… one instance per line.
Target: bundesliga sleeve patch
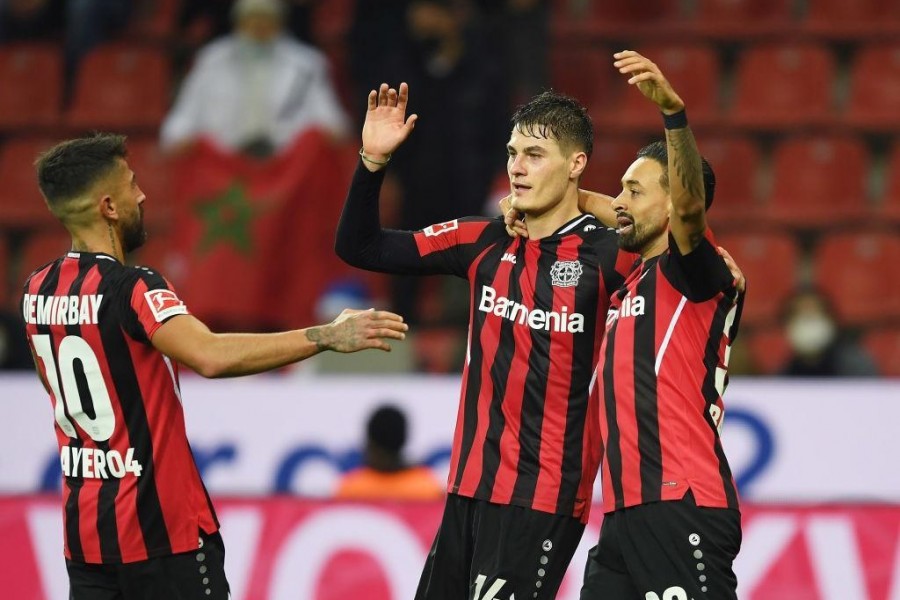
x=164, y=304
x=441, y=228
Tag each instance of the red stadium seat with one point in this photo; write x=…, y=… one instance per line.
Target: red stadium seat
x=693, y=70
x=153, y=171
x=890, y=205
x=606, y=17
x=770, y=263
x=769, y=348
x=31, y=78
x=783, y=86
x=438, y=350
x=736, y=18
x=120, y=87
x=875, y=88
x=883, y=344
x=154, y=20
x=21, y=203
x=582, y=73
x=856, y=18
x=736, y=163
x=41, y=248
x=608, y=163
x=819, y=181
x=331, y=20
x=858, y=272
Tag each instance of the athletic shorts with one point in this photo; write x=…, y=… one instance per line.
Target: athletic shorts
x=671, y=550
x=197, y=575
x=486, y=551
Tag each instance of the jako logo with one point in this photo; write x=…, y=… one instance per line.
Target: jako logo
x=509, y=257
x=560, y=322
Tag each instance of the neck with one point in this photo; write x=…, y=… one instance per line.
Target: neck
x=655, y=247
x=100, y=238
x=547, y=223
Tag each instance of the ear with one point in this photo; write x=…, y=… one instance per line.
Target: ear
x=577, y=165
x=108, y=208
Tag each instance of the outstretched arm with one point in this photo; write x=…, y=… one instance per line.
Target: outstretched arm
x=187, y=340
x=688, y=215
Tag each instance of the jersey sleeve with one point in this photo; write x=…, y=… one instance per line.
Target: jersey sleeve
x=444, y=248
x=700, y=274
x=152, y=301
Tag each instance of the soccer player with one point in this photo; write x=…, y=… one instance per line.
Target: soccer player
x=672, y=525
x=525, y=450
x=106, y=340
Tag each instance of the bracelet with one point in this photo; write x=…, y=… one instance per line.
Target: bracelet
x=374, y=162
x=675, y=121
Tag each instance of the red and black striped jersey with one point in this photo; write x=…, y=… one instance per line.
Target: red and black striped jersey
x=525, y=432
x=659, y=383
x=131, y=489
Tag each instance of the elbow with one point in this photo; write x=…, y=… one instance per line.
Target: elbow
x=348, y=252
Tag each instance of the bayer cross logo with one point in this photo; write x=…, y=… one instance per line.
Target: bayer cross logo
x=565, y=273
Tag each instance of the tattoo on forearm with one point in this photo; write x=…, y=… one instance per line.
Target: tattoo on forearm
x=686, y=160
x=314, y=334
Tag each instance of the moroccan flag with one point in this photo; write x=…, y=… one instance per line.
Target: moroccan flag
x=254, y=239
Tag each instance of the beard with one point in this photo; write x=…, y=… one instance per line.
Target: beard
x=133, y=233
x=637, y=238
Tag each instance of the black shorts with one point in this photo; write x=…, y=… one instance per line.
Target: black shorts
x=486, y=551
x=673, y=550
x=197, y=575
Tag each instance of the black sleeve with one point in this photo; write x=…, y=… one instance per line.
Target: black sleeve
x=700, y=274
x=362, y=242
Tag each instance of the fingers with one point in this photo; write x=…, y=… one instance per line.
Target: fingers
x=646, y=76
x=384, y=315
x=382, y=94
x=403, y=96
x=373, y=100
x=385, y=332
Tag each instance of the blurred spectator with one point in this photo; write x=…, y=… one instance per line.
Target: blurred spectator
x=385, y=475
x=214, y=17
x=819, y=347
x=255, y=90
x=30, y=19
x=458, y=89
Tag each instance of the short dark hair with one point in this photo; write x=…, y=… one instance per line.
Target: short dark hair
x=658, y=151
x=551, y=114
x=70, y=168
x=387, y=428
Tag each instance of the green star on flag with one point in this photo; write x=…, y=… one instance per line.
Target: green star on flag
x=227, y=218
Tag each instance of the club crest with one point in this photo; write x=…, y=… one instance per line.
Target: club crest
x=565, y=273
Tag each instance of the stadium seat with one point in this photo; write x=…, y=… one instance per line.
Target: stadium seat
x=122, y=88
x=819, y=181
x=153, y=171
x=31, y=78
x=890, y=204
x=769, y=348
x=858, y=272
x=154, y=20
x=331, y=20
x=41, y=248
x=608, y=162
x=883, y=344
x=736, y=163
x=728, y=19
x=605, y=17
x=770, y=263
x=21, y=203
x=438, y=349
x=856, y=18
x=875, y=88
x=582, y=73
x=780, y=86
x=693, y=70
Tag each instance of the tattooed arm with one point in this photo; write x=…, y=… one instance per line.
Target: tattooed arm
x=687, y=220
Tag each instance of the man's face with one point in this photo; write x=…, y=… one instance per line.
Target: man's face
x=642, y=207
x=539, y=172
x=260, y=27
x=130, y=203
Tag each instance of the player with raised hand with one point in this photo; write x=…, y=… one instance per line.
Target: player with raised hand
x=672, y=526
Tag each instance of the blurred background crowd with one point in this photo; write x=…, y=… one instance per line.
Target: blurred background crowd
x=243, y=120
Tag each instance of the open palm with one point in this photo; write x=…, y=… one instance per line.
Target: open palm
x=386, y=125
x=649, y=80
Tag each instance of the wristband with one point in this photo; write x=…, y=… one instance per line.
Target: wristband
x=675, y=121
x=374, y=162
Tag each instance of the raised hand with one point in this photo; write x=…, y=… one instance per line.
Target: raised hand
x=386, y=125
x=355, y=330
x=513, y=219
x=649, y=80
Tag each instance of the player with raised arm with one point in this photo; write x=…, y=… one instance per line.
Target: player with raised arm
x=107, y=339
x=525, y=450
x=672, y=525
